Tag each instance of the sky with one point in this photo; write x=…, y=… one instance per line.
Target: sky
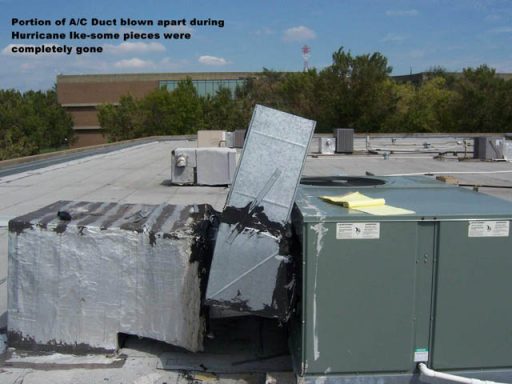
x=413, y=35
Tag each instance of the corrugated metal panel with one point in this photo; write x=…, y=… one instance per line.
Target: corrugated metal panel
x=344, y=140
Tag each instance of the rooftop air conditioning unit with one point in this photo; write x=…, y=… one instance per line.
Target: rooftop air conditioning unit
x=344, y=140
x=381, y=293
x=488, y=148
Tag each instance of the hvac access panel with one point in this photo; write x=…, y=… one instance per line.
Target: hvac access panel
x=359, y=297
x=473, y=311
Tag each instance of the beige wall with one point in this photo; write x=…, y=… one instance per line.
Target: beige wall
x=84, y=117
x=102, y=92
x=86, y=138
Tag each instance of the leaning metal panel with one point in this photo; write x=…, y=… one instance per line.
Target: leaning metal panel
x=250, y=270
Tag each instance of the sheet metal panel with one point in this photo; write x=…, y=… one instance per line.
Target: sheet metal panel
x=249, y=270
x=215, y=166
x=473, y=314
x=358, y=304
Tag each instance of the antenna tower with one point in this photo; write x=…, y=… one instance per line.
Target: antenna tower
x=306, y=55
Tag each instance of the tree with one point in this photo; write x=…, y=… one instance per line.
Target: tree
x=355, y=91
x=159, y=113
x=186, y=112
x=263, y=90
x=123, y=121
x=481, y=107
x=223, y=111
x=432, y=108
x=297, y=90
x=32, y=122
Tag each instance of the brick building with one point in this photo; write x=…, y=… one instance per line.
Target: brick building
x=81, y=94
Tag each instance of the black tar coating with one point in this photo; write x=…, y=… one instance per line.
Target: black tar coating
x=17, y=340
x=241, y=219
x=256, y=219
x=19, y=224
x=63, y=215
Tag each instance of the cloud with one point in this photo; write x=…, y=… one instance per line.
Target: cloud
x=134, y=48
x=212, y=60
x=300, y=33
x=501, y=30
x=133, y=63
x=393, y=38
x=402, y=12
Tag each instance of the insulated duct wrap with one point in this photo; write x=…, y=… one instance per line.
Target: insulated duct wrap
x=78, y=279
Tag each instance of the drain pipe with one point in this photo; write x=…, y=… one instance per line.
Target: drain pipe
x=446, y=376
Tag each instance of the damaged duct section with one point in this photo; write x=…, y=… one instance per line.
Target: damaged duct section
x=80, y=273
x=251, y=267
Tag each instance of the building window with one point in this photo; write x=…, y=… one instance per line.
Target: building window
x=206, y=87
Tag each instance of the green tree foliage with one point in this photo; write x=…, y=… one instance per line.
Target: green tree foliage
x=122, y=122
x=185, y=109
x=159, y=113
x=428, y=108
x=354, y=91
x=264, y=90
x=224, y=112
x=32, y=122
x=483, y=105
x=506, y=102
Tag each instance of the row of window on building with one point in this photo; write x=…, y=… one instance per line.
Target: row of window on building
x=206, y=87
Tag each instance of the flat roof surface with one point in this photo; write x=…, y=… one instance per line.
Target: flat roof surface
x=106, y=77
x=140, y=174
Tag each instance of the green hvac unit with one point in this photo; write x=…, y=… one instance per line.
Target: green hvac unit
x=381, y=293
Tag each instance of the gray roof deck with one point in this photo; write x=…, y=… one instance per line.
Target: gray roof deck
x=140, y=174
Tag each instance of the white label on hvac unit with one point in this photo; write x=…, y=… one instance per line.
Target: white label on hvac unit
x=357, y=230
x=488, y=229
x=421, y=355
